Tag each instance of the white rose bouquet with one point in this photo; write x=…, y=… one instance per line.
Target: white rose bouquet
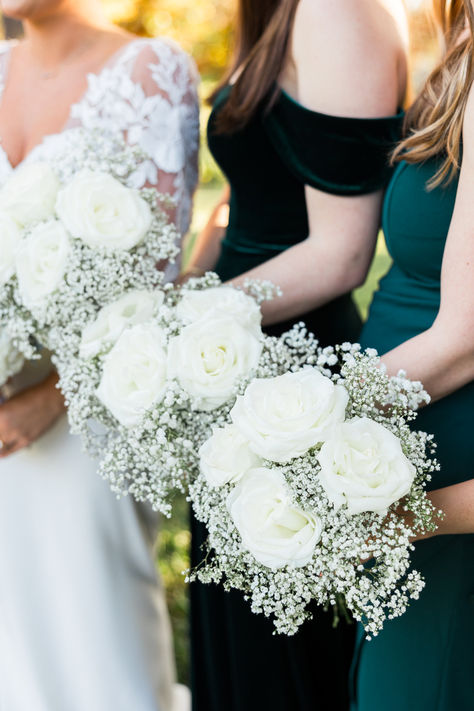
x=304, y=481
x=76, y=236
x=145, y=368
x=156, y=370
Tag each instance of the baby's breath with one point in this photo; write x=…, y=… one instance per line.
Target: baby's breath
x=373, y=592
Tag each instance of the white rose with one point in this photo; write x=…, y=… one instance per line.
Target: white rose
x=99, y=210
x=363, y=466
x=210, y=356
x=225, y=457
x=134, y=375
x=41, y=262
x=275, y=531
x=10, y=241
x=283, y=417
x=232, y=302
x=135, y=307
x=29, y=194
x=11, y=361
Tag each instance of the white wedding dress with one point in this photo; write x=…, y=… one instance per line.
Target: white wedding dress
x=83, y=621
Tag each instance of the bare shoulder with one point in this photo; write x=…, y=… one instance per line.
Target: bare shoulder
x=350, y=55
x=374, y=19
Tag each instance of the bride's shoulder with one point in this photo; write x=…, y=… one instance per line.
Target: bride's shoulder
x=159, y=61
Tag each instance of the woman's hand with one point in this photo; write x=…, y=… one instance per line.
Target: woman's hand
x=457, y=505
x=26, y=416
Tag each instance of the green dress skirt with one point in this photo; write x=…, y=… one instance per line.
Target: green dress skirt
x=424, y=660
x=237, y=663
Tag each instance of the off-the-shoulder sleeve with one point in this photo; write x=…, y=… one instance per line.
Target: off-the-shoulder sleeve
x=343, y=156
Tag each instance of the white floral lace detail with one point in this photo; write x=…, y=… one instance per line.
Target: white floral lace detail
x=149, y=93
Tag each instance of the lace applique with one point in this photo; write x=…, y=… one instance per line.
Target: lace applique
x=149, y=93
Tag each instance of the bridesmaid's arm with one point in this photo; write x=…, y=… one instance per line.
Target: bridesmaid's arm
x=206, y=248
x=443, y=356
x=457, y=503
x=348, y=60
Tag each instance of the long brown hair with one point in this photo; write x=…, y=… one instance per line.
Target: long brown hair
x=262, y=42
x=434, y=122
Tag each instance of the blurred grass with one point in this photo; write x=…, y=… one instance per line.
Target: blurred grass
x=173, y=547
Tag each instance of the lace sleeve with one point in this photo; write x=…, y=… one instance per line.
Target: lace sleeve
x=166, y=125
x=150, y=94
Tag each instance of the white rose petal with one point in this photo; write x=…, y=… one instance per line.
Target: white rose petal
x=193, y=305
x=10, y=236
x=225, y=457
x=29, y=194
x=134, y=375
x=285, y=416
x=41, y=262
x=275, y=531
x=211, y=356
x=363, y=466
x=99, y=210
x=135, y=307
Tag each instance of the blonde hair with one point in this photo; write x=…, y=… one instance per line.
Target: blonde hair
x=434, y=122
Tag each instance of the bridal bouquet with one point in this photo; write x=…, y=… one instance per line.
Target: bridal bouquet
x=304, y=483
x=76, y=236
x=158, y=370
x=145, y=368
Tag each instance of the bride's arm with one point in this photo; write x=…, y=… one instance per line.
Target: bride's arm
x=166, y=128
x=342, y=44
x=28, y=415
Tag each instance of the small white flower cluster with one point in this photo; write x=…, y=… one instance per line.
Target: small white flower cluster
x=304, y=481
x=11, y=360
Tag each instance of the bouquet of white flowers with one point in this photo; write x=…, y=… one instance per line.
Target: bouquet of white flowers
x=157, y=370
x=75, y=237
x=301, y=485
x=145, y=368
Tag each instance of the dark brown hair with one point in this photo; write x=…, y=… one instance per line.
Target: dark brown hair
x=434, y=122
x=262, y=41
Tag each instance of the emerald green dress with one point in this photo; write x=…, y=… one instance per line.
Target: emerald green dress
x=424, y=660
x=237, y=663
